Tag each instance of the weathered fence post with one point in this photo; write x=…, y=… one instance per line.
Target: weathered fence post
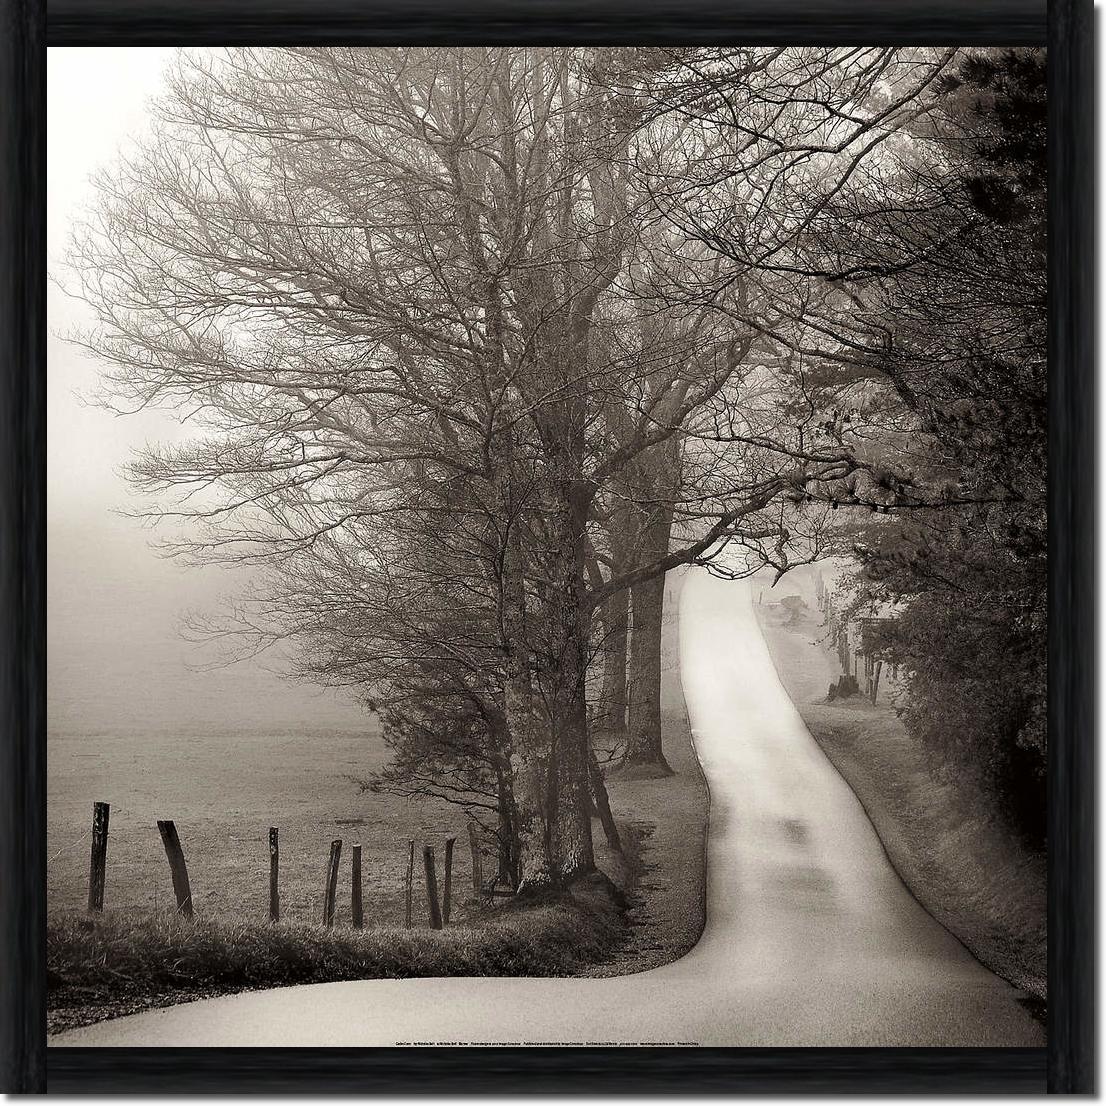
x=410, y=881
x=331, y=882
x=97, y=869
x=431, y=887
x=448, y=892
x=358, y=905
x=274, y=874
x=477, y=873
x=173, y=850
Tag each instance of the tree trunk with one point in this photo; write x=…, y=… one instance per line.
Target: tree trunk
x=506, y=833
x=643, y=745
x=610, y=718
x=656, y=478
x=570, y=829
x=528, y=772
x=643, y=742
x=602, y=802
x=570, y=800
x=534, y=868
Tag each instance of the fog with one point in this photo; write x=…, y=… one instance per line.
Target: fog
x=116, y=661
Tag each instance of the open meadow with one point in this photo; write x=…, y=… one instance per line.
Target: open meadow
x=224, y=791
x=136, y=720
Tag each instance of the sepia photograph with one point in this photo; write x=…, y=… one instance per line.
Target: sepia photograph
x=547, y=546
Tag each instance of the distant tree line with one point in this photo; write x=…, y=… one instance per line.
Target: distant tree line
x=480, y=343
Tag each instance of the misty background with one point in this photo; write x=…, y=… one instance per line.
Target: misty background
x=116, y=660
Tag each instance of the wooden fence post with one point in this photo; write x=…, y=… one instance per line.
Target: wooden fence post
x=171, y=840
x=477, y=873
x=410, y=881
x=274, y=874
x=331, y=882
x=431, y=887
x=448, y=892
x=358, y=905
x=97, y=869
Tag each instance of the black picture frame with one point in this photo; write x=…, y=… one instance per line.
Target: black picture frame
x=26, y=28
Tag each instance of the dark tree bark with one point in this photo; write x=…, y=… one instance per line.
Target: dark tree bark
x=643, y=740
x=529, y=774
x=506, y=832
x=611, y=716
x=602, y=803
x=570, y=800
x=610, y=719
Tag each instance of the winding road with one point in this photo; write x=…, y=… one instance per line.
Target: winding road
x=811, y=937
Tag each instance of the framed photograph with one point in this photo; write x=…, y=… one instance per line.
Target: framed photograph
x=546, y=545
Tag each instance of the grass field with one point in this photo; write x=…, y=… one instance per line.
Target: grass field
x=224, y=791
x=949, y=847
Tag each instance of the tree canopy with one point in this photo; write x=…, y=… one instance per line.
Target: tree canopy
x=478, y=343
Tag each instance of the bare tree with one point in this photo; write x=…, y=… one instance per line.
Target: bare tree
x=443, y=319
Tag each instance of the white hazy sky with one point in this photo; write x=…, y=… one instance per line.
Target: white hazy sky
x=96, y=105
x=115, y=658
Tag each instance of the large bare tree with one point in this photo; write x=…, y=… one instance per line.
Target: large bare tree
x=524, y=313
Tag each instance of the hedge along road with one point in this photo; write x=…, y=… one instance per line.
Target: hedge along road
x=811, y=937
